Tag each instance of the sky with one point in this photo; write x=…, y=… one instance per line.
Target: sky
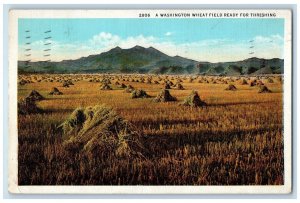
x=201, y=39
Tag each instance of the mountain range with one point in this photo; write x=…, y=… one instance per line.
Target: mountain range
x=150, y=60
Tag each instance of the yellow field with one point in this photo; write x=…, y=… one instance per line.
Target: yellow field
x=236, y=140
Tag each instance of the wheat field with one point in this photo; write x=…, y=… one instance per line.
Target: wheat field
x=236, y=139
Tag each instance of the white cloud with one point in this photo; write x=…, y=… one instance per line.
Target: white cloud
x=215, y=50
x=138, y=40
x=168, y=33
x=269, y=39
x=104, y=39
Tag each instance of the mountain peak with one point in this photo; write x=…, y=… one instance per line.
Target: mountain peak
x=151, y=47
x=140, y=59
x=117, y=48
x=252, y=58
x=138, y=47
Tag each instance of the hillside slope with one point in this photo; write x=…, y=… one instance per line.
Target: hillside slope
x=150, y=60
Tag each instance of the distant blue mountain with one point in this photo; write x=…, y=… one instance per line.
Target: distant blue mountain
x=150, y=60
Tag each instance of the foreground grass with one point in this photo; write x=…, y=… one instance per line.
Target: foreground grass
x=236, y=140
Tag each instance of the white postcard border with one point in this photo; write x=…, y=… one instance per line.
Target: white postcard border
x=13, y=132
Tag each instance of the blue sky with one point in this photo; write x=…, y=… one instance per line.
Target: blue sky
x=199, y=38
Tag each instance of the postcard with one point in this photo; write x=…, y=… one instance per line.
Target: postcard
x=150, y=101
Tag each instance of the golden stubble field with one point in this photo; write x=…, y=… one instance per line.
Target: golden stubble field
x=237, y=139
